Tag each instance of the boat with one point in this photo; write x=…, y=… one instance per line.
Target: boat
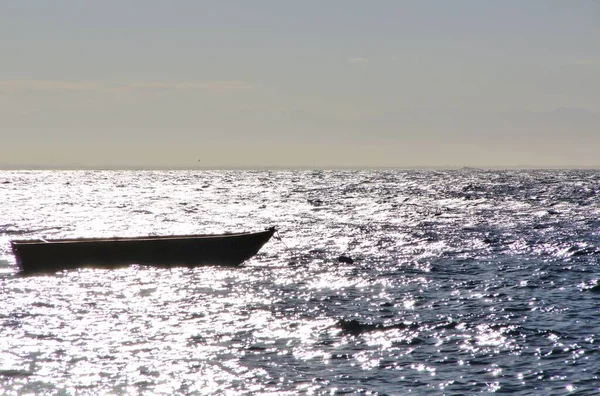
x=53, y=255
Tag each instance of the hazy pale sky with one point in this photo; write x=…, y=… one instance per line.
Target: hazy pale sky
x=304, y=83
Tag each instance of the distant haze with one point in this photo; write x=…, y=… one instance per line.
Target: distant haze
x=310, y=83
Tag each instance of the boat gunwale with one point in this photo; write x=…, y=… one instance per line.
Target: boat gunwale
x=39, y=241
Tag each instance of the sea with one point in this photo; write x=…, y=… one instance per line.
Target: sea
x=378, y=282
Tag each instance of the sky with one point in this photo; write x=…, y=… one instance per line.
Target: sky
x=270, y=83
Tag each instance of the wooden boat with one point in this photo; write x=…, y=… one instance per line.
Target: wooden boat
x=51, y=255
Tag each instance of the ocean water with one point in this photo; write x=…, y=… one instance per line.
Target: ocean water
x=463, y=282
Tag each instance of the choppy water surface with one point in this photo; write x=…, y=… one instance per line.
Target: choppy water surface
x=463, y=282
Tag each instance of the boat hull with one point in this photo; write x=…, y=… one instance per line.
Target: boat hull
x=52, y=255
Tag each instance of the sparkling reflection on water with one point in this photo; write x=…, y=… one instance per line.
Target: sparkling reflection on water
x=463, y=282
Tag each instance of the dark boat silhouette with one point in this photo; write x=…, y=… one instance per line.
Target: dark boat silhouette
x=52, y=255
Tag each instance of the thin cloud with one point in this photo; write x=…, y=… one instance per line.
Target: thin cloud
x=588, y=61
x=213, y=86
x=414, y=59
x=359, y=61
x=19, y=86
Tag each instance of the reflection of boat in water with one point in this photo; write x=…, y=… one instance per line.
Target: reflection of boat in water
x=51, y=255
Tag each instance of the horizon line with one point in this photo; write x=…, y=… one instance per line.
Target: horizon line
x=74, y=167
